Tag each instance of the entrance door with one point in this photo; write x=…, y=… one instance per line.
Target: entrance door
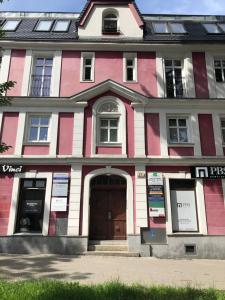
x=31, y=206
x=108, y=209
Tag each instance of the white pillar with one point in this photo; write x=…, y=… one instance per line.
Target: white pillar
x=78, y=132
x=74, y=202
x=27, y=73
x=1, y=118
x=56, y=74
x=5, y=65
x=163, y=134
x=217, y=134
x=54, y=133
x=196, y=135
x=20, y=133
x=139, y=132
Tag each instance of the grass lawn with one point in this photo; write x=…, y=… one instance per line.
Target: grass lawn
x=54, y=290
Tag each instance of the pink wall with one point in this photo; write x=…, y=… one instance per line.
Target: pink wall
x=65, y=133
x=108, y=65
x=35, y=150
x=6, y=185
x=9, y=131
x=181, y=151
x=109, y=150
x=215, y=209
x=88, y=126
x=152, y=134
x=200, y=75
x=207, y=135
x=16, y=71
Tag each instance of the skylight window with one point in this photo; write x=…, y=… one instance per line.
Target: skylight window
x=177, y=28
x=160, y=27
x=212, y=28
x=61, y=25
x=44, y=25
x=222, y=26
x=10, y=25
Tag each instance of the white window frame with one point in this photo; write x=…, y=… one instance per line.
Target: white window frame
x=108, y=118
x=44, y=30
x=58, y=21
x=221, y=129
x=220, y=59
x=188, y=126
x=28, y=126
x=84, y=56
x=108, y=12
x=128, y=56
x=8, y=21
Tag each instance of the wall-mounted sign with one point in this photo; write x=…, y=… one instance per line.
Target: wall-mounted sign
x=60, y=177
x=141, y=175
x=59, y=204
x=184, y=211
x=11, y=169
x=214, y=172
x=156, y=198
x=60, y=189
x=32, y=206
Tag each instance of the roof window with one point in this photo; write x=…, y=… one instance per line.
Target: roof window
x=222, y=26
x=212, y=28
x=177, y=28
x=61, y=25
x=10, y=25
x=160, y=27
x=44, y=25
x=167, y=27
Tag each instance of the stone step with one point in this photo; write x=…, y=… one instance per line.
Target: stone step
x=104, y=247
x=108, y=242
x=112, y=253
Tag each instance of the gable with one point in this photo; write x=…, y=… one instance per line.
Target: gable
x=91, y=21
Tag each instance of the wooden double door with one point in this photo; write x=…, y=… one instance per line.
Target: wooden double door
x=108, y=213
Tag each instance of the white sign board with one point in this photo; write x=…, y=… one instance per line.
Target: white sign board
x=184, y=216
x=60, y=190
x=60, y=177
x=157, y=212
x=59, y=204
x=155, y=178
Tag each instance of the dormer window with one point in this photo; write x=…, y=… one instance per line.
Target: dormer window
x=110, y=22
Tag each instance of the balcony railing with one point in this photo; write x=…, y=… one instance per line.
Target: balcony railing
x=40, y=86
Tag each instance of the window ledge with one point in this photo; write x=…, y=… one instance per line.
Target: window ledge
x=108, y=145
x=111, y=33
x=109, y=156
x=132, y=82
x=181, y=145
x=185, y=234
x=87, y=81
x=37, y=144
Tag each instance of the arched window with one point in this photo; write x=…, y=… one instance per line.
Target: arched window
x=110, y=22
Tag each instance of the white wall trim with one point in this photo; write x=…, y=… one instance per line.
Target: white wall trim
x=163, y=134
x=223, y=187
x=15, y=199
x=54, y=133
x=20, y=133
x=56, y=74
x=129, y=195
x=1, y=119
x=78, y=132
x=160, y=75
x=196, y=134
x=27, y=73
x=74, y=200
x=189, y=75
x=201, y=212
x=5, y=66
x=217, y=134
x=130, y=55
x=139, y=132
x=210, y=75
x=83, y=56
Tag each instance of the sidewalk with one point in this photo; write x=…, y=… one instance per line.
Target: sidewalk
x=90, y=269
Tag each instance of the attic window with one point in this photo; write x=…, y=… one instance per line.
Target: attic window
x=160, y=27
x=212, y=28
x=177, y=28
x=10, y=25
x=169, y=27
x=222, y=26
x=44, y=25
x=110, y=23
x=61, y=25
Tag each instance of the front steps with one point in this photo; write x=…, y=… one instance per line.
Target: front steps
x=110, y=248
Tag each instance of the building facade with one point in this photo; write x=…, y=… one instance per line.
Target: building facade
x=117, y=132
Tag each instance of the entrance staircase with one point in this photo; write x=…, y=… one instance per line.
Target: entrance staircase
x=110, y=248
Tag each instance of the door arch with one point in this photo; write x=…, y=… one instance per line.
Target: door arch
x=108, y=208
x=129, y=198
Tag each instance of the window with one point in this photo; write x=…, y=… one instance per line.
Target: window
x=44, y=25
x=160, y=27
x=87, y=63
x=130, y=67
x=41, y=78
x=219, y=65
x=109, y=122
x=38, y=128
x=174, y=81
x=178, y=130
x=110, y=22
x=223, y=129
x=61, y=25
x=222, y=26
x=212, y=28
x=177, y=28
x=168, y=27
x=10, y=25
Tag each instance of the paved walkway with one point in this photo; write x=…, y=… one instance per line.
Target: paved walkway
x=89, y=269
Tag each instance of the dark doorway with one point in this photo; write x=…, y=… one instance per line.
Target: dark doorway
x=108, y=208
x=31, y=206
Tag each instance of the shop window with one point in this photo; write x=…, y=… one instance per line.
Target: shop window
x=183, y=205
x=178, y=130
x=174, y=79
x=219, y=67
x=38, y=129
x=41, y=77
x=110, y=22
x=87, y=66
x=130, y=67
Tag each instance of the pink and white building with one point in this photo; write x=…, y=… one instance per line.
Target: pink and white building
x=117, y=128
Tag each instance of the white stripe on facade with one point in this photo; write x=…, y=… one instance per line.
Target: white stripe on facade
x=201, y=207
x=54, y=133
x=210, y=75
x=196, y=134
x=20, y=133
x=5, y=65
x=74, y=200
x=139, y=132
x=1, y=119
x=27, y=73
x=163, y=134
x=78, y=132
x=56, y=74
x=223, y=187
x=160, y=75
x=217, y=134
x=189, y=75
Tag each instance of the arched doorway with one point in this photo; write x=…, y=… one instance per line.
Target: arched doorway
x=108, y=208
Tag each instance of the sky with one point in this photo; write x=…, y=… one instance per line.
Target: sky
x=211, y=7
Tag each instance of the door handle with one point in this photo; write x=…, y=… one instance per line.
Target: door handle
x=109, y=215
